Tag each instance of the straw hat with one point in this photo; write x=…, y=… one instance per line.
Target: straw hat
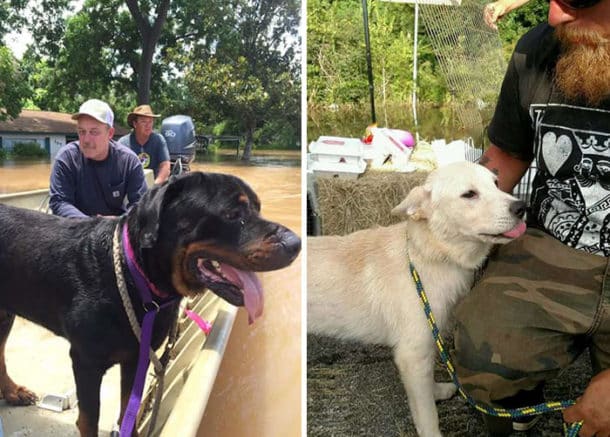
x=142, y=110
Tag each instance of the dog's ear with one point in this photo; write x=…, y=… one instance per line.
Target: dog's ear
x=148, y=213
x=149, y=208
x=415, y=205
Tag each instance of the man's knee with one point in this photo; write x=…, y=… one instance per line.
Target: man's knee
x=481, y=369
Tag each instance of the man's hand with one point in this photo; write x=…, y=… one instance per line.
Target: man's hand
x=496, y=10
x=593, y=407
x=492, y=13
x=506, y=167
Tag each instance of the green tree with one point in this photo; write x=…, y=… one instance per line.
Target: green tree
x=149, y=34
x=102, y=51
x=337, y=83
x=13, y=87
x=129, y=37
x=336, y=63
x=336, y=58
x=11, y=15
x=83, y=55
x=252, y=77
x=519, y=21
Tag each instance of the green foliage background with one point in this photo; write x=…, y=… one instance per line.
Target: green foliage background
x=337, y=87
x=230, y=64
x=236, y=68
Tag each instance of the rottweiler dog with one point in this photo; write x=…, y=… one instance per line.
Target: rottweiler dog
x=197, y=232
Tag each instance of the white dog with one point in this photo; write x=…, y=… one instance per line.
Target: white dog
x=359, y=286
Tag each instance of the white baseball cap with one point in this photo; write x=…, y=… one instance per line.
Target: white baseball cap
x=97, y=109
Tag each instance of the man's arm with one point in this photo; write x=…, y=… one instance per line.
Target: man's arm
x=163, y=172
x=593, y=407
x=63, y=192
x=509, y=169
x=164, y=165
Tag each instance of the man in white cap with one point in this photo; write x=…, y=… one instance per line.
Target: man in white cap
x=150, y=146
x=95, y=176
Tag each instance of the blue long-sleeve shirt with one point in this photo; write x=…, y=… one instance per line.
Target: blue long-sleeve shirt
x=82, y=187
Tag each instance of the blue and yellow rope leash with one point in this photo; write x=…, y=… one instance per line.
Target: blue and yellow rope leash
x=569, y=431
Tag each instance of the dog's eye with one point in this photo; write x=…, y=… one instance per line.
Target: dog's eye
x=470, y=194
x=233, y=215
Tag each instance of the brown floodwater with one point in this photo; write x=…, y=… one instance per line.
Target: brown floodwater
x=258, y=389
x=24, y=176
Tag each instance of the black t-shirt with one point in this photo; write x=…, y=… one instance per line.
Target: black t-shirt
x=569, y=141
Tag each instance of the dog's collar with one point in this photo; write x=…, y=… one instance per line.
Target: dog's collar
x=138, y=276
x=143, y=333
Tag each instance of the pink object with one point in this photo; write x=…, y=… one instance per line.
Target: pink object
x=517, y=231
x=203, y=324
x=405, y=137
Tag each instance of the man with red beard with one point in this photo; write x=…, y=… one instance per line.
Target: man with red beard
x=545, y=298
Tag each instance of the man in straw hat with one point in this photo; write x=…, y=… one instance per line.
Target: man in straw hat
x=150, y=146
x=95, y=175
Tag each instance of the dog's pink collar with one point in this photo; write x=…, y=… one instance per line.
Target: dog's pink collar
x=151, y=308
x=131, y=257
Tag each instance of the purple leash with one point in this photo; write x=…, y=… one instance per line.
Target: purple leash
x=151, y=309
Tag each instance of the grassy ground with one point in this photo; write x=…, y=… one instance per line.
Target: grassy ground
x=355, y=390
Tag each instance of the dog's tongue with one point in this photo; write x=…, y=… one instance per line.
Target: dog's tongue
x=517, y=231
x=251, y=286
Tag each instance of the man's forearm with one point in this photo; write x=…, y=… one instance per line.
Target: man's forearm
x=65, y=209
x=163, y=173
x=509, y=169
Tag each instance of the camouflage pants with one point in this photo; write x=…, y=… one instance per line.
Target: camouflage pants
x=538, y=305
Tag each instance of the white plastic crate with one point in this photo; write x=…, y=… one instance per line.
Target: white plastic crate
x=337, y=150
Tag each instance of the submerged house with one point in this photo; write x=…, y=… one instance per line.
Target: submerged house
x=51, y=130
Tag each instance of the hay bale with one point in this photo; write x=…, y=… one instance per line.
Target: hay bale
x=346, y=206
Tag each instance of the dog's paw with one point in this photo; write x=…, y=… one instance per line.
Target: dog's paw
x=444, y=390
x=19, y=395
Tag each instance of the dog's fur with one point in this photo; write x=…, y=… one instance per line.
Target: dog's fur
x=359, y=286
x=59, y=272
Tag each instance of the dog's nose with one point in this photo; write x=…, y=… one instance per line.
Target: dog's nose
x=291, y=243
x=518, y=208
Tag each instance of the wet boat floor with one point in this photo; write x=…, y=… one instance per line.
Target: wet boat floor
x=40, y=361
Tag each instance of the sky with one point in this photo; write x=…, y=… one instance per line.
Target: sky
x=18, y=42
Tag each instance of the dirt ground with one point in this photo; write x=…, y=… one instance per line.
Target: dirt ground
x=355, y=390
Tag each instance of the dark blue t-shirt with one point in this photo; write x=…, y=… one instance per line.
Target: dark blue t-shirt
x=82, y=187
x=152, y=153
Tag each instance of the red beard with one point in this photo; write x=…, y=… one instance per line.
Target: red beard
x=582, y=72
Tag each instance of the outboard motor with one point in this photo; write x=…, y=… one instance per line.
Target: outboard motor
x=179, y=133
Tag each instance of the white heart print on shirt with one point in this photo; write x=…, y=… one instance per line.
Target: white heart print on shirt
x=555, y=151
